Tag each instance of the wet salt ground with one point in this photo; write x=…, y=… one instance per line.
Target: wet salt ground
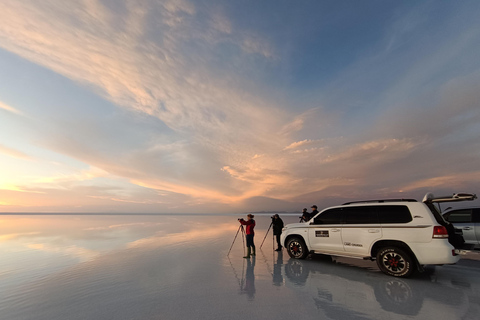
x=176, y=267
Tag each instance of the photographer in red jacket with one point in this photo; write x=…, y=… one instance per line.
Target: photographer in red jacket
x=249, y=234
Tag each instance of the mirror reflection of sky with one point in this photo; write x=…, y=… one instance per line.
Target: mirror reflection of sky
x=176, y=267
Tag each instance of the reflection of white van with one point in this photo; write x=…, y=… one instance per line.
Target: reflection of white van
x=402, y=235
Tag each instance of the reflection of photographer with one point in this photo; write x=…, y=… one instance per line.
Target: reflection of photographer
x=277, y=225
x=249, y=286
x=277, y=270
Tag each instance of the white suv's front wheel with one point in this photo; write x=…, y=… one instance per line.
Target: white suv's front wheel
x=395, y=262
x=297, y=248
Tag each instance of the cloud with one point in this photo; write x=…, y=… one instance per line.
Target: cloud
x=10, y=109
x=373, y=151
x=453, y=181
x=387, y=119
x=154, y=71
x=14, y=236
x=303, y=143
x=14, y=153
x=83, y=42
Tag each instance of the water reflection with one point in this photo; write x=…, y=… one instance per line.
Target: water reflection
x=150, y=267
x=249, y=284
x=277, y=270
x=345, y=291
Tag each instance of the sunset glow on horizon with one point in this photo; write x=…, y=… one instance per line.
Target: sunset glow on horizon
x=223, y=106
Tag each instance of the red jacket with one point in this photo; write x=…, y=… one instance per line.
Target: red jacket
x=250, y=225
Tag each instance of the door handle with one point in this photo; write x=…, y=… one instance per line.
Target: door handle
x=334, y=230
x=373, y=230
x=467, y=228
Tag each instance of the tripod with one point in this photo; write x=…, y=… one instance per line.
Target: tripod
x=243, y=238
x=266, y=234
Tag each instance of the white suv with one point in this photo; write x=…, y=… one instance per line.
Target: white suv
x=402, y=235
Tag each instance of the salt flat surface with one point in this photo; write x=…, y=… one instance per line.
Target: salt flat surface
x=176, y=267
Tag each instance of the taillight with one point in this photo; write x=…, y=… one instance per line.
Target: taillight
x=440, y=232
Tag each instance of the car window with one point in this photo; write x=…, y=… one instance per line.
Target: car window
x=476, y=215
x=436, y=214
x=332, y=216
x=459, y=216
x=394, y=214
x=358, y=215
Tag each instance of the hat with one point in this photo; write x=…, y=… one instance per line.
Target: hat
x=314, y=206
x=250, y=215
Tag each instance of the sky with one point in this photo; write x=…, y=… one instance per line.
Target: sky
x=177, y=106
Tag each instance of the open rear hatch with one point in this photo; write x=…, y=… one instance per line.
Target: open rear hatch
x=455, y=236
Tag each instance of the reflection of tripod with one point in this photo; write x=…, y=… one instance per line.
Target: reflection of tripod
x=243, y=238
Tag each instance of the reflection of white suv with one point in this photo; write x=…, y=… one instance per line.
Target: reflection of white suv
x=402, y=235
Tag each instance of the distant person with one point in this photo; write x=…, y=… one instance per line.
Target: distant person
x=249, y=234
x=277, y=224
x=314, y=212
x=305, y=215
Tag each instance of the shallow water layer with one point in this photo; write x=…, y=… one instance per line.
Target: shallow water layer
x=176, y=267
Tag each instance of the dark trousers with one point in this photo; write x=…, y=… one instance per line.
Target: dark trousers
x=249, y=238
x=277, y=236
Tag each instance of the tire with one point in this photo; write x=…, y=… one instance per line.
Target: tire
x=396, y=295
x=296, y=272
x=395, y=262
x=296, y=248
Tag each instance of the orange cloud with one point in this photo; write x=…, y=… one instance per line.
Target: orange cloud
x=451, y=180
x=9, y=108
x=14, y=153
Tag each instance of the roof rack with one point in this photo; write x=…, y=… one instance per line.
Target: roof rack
x=381, y=201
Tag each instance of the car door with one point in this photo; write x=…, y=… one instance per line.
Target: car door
x=325, y=231
x=476, y=223
x=360, y=230
x=463, y=219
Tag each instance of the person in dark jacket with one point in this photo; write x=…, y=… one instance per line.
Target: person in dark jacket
x=305, y=215
x=314, y=212
x=249, y=234
x=277, y=225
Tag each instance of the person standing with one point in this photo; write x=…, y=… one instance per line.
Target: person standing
x=277, y=225
x=305, y=215
x=314, y=212
x=249, y=234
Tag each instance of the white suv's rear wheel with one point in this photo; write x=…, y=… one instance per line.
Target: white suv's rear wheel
x=395, y=262
x=297, y=248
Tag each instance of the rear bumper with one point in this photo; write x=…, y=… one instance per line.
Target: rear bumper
x=436, y=252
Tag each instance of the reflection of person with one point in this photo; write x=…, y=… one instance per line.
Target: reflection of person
x=277, y=224
x=249, y=234
x=249, y=287
x=314, y=212
x=277, y=270
x=305, y=215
